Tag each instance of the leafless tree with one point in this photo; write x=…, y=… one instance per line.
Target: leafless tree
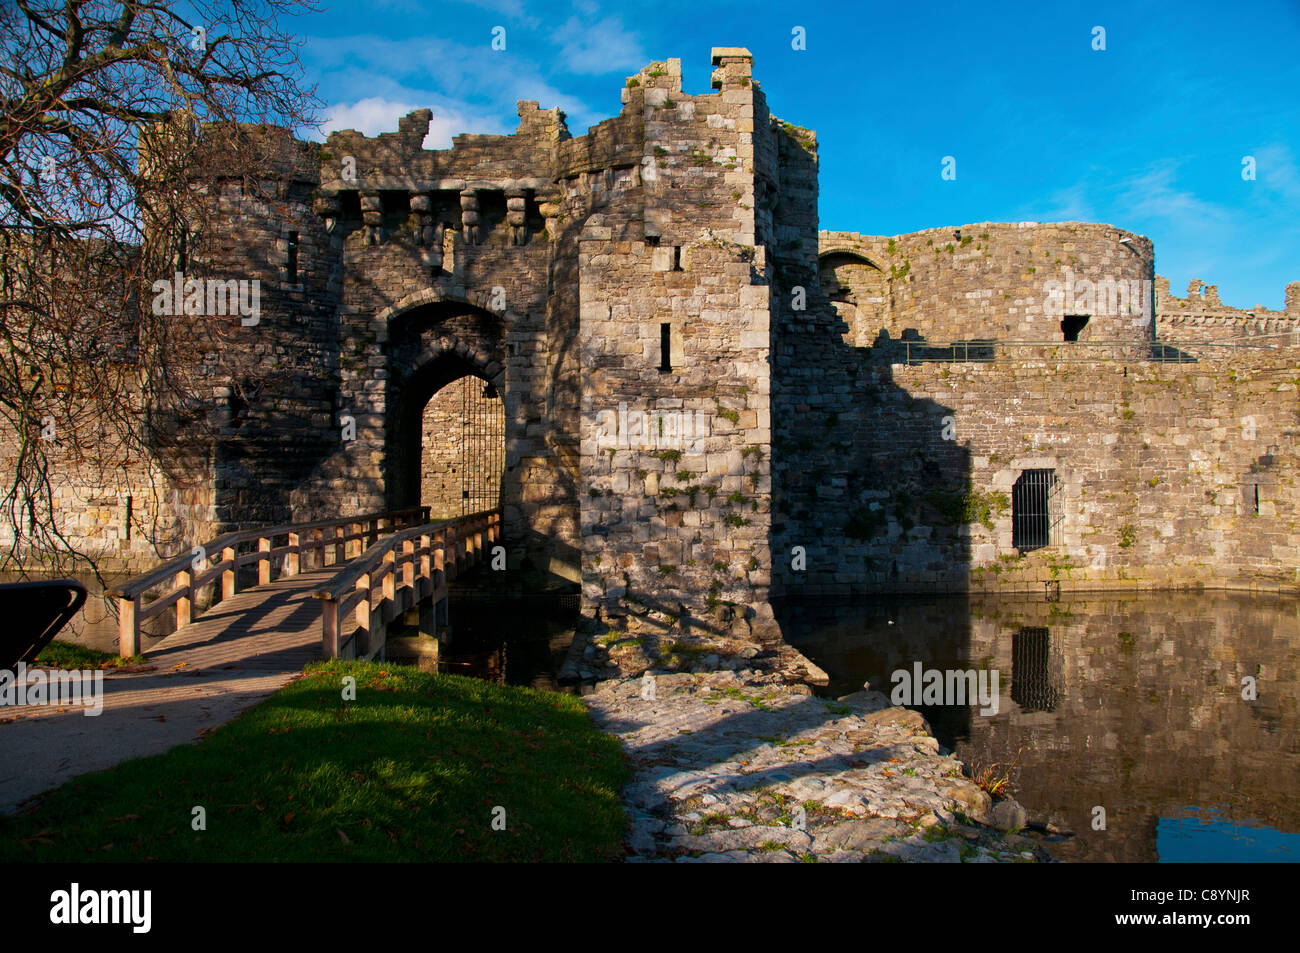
x=116, y=119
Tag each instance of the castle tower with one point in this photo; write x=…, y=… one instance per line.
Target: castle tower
x=675, y=322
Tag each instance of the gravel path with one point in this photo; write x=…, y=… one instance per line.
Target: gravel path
x=233, y=656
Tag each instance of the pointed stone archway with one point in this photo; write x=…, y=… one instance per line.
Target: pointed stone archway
x=432, y=345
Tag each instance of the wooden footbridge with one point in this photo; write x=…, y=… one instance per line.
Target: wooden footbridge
x=337, y=583
x=251, y=609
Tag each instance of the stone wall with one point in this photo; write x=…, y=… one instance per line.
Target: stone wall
x=1201, y=317
x=678, y=517
x=1160, y=464
x=445, y=261
x=991, y=280
x=120, y=510
x=560, y=269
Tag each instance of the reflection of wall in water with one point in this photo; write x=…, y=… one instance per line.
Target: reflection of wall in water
x=1146, y=714
x=1035, y=679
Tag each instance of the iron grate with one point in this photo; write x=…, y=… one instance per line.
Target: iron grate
x=1036, y=510
x=482, y=448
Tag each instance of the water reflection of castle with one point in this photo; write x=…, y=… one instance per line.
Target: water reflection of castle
x=1133, y=703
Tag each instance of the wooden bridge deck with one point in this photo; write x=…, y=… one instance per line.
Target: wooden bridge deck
x=272, y=628
x=203, y=675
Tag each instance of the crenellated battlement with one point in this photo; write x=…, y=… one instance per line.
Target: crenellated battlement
x=1201, y=317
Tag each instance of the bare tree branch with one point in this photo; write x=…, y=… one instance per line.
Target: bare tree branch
x=119, y=120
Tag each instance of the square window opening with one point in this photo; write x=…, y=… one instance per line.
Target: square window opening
x=1072, y=324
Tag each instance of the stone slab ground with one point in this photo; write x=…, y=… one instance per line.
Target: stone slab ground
x=726, y=770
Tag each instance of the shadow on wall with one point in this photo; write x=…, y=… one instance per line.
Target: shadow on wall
x=871, y=492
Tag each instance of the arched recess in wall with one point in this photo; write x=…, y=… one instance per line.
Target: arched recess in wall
x=445, y=407
x=859, y=291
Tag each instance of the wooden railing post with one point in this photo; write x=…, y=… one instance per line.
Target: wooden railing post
x=184, y=605
x=408, y=565
x=439, y=594
x=264, y=562
x=390, y=578
x=128, y=627
x=329, y=620
x=229, y=577
x=426, y=566
x=364, y=616
x=292, y=559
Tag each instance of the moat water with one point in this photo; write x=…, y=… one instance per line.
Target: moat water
x=1128, y=702
x=1131, y=703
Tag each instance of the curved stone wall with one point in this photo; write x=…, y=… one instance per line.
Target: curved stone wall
x=1008, y=281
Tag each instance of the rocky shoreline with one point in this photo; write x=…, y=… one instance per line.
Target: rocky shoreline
x=734, y=759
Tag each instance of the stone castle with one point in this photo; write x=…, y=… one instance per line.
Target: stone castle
x=703, y=401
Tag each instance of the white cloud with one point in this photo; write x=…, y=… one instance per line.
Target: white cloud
x=601, y=47
x=471, y=80
x=1276, y=171
x=1153, y=195
x=375, y=114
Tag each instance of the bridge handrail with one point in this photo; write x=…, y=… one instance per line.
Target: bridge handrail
x=429, y=556
x=188, y=581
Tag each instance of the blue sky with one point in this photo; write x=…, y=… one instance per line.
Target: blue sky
x=1148, y=135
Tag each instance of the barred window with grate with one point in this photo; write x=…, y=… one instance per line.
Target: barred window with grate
x=1036, y=510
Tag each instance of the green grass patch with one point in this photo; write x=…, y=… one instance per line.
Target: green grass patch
x=411, y=770
x=72, y=656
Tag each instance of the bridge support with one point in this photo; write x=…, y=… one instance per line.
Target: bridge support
x=423, y=646
x=403, y=576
